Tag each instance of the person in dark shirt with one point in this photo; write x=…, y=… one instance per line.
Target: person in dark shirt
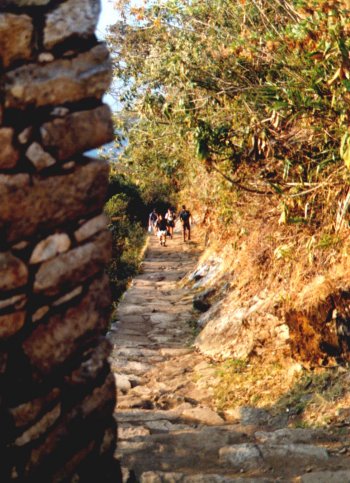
x=186, y=218
x=170, y=218
x=161, y=230
x=152, y=221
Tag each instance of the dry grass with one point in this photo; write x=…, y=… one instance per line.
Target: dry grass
x=301, y=264
x=296, y=265
x=252, y=384
x=315, y=398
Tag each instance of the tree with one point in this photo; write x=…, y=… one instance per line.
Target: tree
x=256, y=91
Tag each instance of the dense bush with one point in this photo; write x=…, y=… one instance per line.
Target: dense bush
x=126, y=213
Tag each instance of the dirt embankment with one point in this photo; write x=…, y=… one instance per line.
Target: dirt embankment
x=273, y=303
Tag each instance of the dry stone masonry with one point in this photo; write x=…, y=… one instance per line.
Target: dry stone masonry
x=57, y=394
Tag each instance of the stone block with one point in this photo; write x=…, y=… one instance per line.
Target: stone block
x=71, y=18
x=108, y=444
x=25, y=135
x=53, y=343
x=50, y=202
x=87, y=75
x=290, y=435
x=91, y=227
x=29, y=411
x=94, y=360
x=330, y=476
x=71, y=268
x=10, y=324
x=78, y=132
x=123, y=383
x=39, y=428
x=203, y=416
x=45, y=57
x=17, y=301
x=38, y=157
x=14, y=272
x=39, y=453
x=244, y=456
x=93, y=405
x=8, y=154
x=50, y=247
x=40, y=313
x=101, y=396
x=16, y=33
x=68, y=296
x=277, y=454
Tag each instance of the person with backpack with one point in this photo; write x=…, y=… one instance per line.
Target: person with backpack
x=161, y=230
x=170, y=219
x=186, y=217
x=152, y=221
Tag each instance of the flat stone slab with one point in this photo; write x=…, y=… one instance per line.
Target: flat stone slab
x=165, y=426
x=250, y=456
x=130, y=309
x=298, y=453
x=133, y=367
x=131, y=432
x=249, y=415
x=342, y=476
x=134, y=352
x=289, y=435
x=175, y=351
x=244, y=456
x=145, y=415
x=203, y=415
x=161, y=317
x=163, y=477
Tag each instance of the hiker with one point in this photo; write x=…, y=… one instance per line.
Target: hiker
x=170, y=219
x=161, y=230
x=152, y=221
x=185, y=217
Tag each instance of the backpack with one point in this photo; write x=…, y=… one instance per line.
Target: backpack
x=185, y=215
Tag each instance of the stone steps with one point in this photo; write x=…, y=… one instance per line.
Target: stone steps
x=169, y=429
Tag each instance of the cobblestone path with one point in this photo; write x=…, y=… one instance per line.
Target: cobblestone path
x=169, y=430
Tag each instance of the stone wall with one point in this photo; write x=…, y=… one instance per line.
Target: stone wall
x=57, y=394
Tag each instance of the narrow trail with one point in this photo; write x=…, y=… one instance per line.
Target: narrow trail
x=168, y=429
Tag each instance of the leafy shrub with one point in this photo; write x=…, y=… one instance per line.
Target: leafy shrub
x=128, y=237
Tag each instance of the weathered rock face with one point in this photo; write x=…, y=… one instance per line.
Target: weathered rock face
x=57, y=394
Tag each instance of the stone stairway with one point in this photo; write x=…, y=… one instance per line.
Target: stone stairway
x=169, y=430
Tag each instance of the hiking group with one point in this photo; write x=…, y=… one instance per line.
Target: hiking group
x=163, y=226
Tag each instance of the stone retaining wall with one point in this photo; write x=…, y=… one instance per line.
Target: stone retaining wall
x=57, y=394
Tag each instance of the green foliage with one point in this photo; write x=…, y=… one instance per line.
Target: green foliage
x=255, y=92
x=328, y=240
x=234, y=366
x=126, y=213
